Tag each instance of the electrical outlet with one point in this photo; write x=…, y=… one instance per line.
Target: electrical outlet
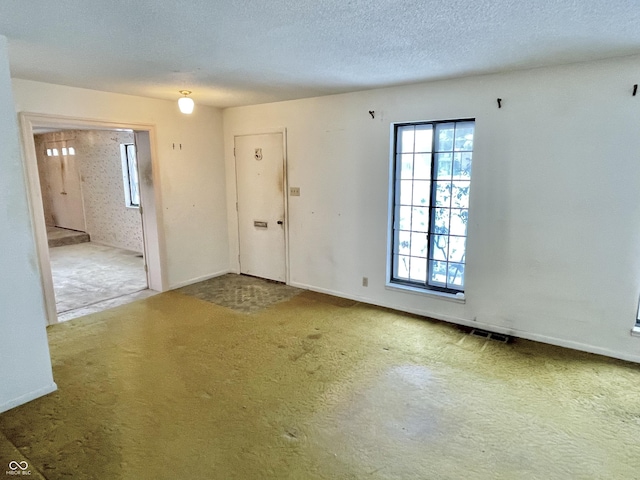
x=294, y=191
x=365, y=281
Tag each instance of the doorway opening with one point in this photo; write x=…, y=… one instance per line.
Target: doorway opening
x=91, y=187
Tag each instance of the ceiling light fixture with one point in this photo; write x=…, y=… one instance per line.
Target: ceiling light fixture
x=185, y=103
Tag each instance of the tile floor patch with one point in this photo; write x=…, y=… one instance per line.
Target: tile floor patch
x=241, y=293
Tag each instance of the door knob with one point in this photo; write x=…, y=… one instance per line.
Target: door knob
x=280, y=222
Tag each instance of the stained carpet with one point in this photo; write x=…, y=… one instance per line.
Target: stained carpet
x=315, y=387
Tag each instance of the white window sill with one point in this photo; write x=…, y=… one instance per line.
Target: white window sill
x=635, y=331
x=450, y=297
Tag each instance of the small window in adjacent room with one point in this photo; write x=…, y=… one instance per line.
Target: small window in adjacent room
x=432, y=178
x=130, y=175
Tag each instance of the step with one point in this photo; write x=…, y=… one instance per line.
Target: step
x=59, y=237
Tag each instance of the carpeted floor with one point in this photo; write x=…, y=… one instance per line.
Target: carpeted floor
x=313, y=387
x=88, y=273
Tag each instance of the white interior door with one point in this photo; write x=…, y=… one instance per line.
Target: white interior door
x=66, y=188
x=260, y=182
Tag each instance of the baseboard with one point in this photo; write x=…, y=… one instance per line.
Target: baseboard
x=105, y=244
x=536, y=337
x=583, y=347
x=198, y=279
x=41, y=392
x=339, y=294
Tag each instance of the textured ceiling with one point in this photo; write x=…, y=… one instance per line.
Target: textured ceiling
x=233, y=52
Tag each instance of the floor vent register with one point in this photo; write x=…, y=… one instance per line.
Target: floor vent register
x=498, y=337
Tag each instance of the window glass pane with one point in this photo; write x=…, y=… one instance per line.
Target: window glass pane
x=444, y=137
x=464, y=136
x=403, y=242
x=438, y=273
x=443, y=194
x=439, y=247
x=441, y=220
x=133, y=176
x=406, y=195
x=403, y=218
x=443, y=165
x=423, y=138
x=55, y=152
x=459, y=222
x=131, y=166
x=419, y=245
x=462, y=166
x=455, y=274
x=421, y=193
x=406, y=166
x=64, y=150
x=72, y=151
x=49, y=152
x=460, y=194
x=457, y=247
x=433, y=164
x=402, y=267
x=422, y=167
x=418, y=270
x=135, y=192
x=405, y=139
x=420, y=219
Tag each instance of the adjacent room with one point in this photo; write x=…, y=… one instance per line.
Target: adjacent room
x=388, y=241
x=91, y=204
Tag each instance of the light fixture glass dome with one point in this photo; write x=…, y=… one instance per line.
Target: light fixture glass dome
x=185, y=103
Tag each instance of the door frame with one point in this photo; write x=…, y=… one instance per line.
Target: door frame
x=154, y=242
x=285, y=193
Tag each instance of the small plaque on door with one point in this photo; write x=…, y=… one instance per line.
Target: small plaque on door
x=259, y=224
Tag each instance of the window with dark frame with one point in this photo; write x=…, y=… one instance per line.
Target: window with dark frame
x=130, y=171
x=432, y=178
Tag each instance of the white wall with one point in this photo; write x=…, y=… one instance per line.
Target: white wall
x=25, y=366
x=109, y=220
x=192, y=180
x=554, y=234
